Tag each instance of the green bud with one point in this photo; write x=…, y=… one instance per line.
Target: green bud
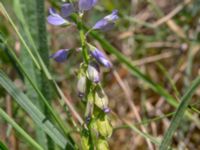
x=104, y=127
x=101, y=100
x=93, y=73
x=102, y=145
x=85, y=143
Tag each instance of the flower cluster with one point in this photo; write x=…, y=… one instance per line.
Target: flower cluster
x=88, y=85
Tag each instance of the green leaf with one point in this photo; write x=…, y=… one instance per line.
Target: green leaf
x=3, y=146
x=28, y=30
x=179, y=114
x=29, y=139
x=40, y=119
x=4, y=12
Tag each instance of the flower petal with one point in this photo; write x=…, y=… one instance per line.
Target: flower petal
x=100, y=57
x=105, y=62
x=56, y=20
x=67, y=9
x=86, y=4
x=52, y=11
x=113, y=16
x=60, y=55
x=107, y=22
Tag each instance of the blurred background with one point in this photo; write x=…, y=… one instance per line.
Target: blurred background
x=161, y=40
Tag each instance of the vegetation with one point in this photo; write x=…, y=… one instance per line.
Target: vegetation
x=105, y=74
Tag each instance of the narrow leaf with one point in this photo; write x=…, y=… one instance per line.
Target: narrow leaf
x=39, y=118
x=179, y=114
x=3, y=146
x=29, y=139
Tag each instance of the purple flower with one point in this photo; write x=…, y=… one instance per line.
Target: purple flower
x=56, y=19
x=100, y=57
x=93, y=73
x=107, y=22
x=60, y=55
x=86, y=4
x=67, y=9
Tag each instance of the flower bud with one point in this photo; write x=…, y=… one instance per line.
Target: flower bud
x=102, y=144
x=81, y=86
x=60, y=55
x=85, y=143
x=101, y=100
x=104, y=127
x=99, y=56
x=107, y=22
x=93, y=73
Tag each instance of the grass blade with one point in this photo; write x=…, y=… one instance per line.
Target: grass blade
x=179, y=114
x=29, y=139
x=28, y=24
x=3, y=146
x=43, y=50
x=39, y=118
x=2, y=9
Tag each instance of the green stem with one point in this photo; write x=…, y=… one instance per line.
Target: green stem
x=83, y=43
x=86, y=60
x=176, y=120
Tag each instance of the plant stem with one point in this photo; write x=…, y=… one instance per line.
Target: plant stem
x=83, y=43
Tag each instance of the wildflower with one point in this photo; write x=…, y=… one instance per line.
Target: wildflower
x=60, y=55
x=93, y=73
x=107, y=22
x=56, y=19
x=67, y=9
x=86, y=4
x=81, y=86
x=99, y=56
